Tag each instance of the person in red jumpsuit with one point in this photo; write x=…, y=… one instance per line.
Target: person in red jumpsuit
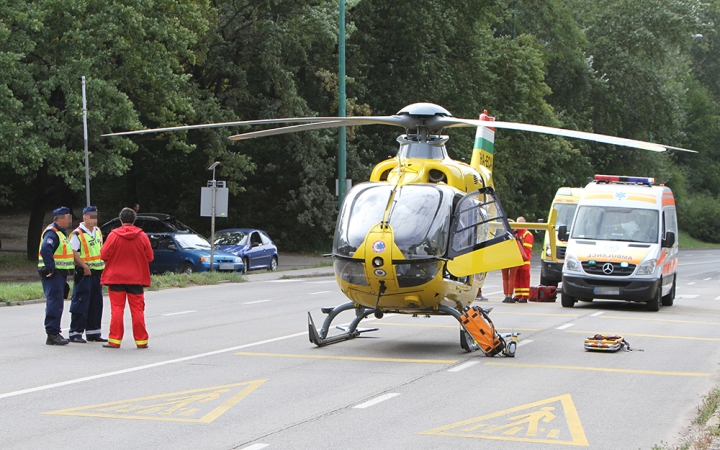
x=127, y=254
x=522, y=279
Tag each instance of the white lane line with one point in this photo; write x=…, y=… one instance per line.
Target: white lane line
x=686, y=296
x=705, y=279
x=146, y=366
x=255, y=447
x=319, y=292
x=599, y=313
x=322, y=282
x=524, y=341
x=256, y=301
x=493, y=293
x=690, y=284
x=376, y=400
x=463, y=366
x=567, y=325
x=289, y=280
x=717, y=298
x=176, y=313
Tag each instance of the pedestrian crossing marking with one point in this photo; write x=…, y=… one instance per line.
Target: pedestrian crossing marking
x=197, y=405
x=539, y=422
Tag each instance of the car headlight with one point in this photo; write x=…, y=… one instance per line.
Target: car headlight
x=647, y=268
x=572, y=264
x=238, y=260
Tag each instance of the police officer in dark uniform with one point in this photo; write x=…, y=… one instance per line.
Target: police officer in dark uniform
x=55, y=263
x=86, y=305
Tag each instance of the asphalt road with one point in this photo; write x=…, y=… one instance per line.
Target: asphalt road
x=230, y=367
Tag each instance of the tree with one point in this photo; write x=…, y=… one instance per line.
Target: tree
x=134, y=55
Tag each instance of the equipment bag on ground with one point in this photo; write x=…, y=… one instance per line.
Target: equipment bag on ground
x=482, y=329
x=543, y=293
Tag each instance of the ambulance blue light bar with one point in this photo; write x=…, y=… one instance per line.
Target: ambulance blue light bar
x=623, y=179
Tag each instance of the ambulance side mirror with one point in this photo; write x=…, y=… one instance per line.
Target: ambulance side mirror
x=669, y=240
x=562, y=233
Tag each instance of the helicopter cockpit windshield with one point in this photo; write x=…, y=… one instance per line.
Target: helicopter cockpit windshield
x=419, y=216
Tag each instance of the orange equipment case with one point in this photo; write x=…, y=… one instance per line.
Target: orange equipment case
x=482, y=329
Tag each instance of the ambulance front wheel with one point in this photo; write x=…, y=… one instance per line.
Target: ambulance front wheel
x=567, y=301
x=669, y=299
x=654, y=303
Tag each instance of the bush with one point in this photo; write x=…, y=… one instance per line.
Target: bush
x=699, y=215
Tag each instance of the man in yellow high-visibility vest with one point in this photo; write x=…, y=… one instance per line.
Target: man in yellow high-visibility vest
x=55, y=263
x=86, y=306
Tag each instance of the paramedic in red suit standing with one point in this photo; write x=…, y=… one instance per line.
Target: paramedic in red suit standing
x=127, y=254
x=522, y=279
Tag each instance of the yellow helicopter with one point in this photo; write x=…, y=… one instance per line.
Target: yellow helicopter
x=420, y=235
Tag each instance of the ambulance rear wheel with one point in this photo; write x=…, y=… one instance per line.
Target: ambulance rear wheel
x=669, y=299
x=654, y=303
x=567, y=301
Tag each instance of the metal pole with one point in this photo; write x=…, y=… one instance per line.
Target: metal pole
x=341, y=106
x=212, y=224
x=85, y=137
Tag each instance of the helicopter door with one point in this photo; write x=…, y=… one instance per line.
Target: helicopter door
x=481, y=239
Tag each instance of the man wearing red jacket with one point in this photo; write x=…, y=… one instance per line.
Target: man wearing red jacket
x=127, y=254
x=522, y=279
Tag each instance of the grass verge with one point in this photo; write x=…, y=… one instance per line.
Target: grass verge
x=690, y=242
x=704, y=428
x=17, y=293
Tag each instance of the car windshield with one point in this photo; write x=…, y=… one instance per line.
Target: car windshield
x=616, y=224
x=566, y=211
x=231, y=238
x=191, y=242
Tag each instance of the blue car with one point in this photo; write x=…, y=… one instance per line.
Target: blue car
x=189, y=253
x=255, y=247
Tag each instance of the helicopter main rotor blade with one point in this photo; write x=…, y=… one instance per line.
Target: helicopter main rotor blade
x=305, y=127
x=448, y=122
x=380, y=120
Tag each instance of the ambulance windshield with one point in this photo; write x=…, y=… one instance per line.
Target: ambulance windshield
x=607, y=223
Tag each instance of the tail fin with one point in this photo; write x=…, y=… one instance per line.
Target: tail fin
x=484, y=147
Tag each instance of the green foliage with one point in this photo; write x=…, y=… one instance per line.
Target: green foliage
x=700, y=217
x=622, y=67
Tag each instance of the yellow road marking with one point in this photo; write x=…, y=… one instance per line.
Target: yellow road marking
x=537, y=424
x=598, y=369
x=691, y=338
x=675, y=313
x=659, y=320
x=173, y=407
x=534, y=314
x=445, y=326
x=351, y=358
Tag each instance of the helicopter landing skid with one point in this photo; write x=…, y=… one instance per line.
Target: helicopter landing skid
x=320, y=337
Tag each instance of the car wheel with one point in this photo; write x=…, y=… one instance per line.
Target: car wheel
x=246, y=264
x=273, y=264
x=187, y=268
x=669, y=299
x=567, y=301
x=654, y=303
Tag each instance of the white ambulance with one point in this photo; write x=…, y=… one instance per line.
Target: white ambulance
x=622, y=244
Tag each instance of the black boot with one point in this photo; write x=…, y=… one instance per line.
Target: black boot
x=56, y=339
x=509, y=300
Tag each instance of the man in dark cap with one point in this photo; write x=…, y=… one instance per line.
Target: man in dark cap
x=87, y=301
x=55, y=263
